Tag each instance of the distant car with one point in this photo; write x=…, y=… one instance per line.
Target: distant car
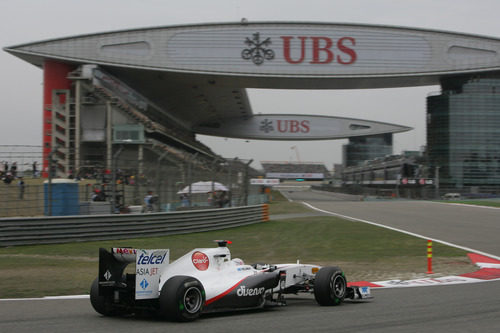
x=452, y=196
x=207, y=280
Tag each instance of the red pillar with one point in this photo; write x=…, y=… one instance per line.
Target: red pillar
x=54, y=77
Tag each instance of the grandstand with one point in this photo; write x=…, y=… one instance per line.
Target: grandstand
x=100, y=129
x=295, y=170
x=404, y=175
x=137, y=124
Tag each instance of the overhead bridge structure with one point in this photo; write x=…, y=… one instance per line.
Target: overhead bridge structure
x=162, y=85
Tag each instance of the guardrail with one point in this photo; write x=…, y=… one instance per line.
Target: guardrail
x=51, y=230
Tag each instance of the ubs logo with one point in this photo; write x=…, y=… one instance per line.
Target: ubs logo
x=285, y=126
x=257, y=50
x=296, y=50
x=266, y=126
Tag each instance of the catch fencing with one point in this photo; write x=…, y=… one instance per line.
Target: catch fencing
x=122, y=189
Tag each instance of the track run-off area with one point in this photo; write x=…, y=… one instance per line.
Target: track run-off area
x=442, y=307
x=472, y=228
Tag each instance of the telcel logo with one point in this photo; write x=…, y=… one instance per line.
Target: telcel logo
x=155, y=258
x=200, y=261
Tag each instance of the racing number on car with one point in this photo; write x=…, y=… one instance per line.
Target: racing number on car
x=200, y=261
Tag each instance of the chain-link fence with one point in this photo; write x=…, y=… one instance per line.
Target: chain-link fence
x=153, y=183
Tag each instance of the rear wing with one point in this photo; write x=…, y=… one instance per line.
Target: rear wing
x=149, y=264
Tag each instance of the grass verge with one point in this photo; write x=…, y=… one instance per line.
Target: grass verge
x=281, y=205
x=363, y=251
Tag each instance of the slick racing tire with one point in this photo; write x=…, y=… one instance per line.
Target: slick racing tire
x=182, y=298
x=100, y=303
x=330, y=286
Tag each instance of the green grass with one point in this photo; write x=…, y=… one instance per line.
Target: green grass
x=287, y=208
x=31, y=271
x=280, y=205
x=35, y=276
x=319, y=239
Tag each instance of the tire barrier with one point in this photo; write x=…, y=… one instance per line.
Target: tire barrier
x=65, y=229
x=265, y=212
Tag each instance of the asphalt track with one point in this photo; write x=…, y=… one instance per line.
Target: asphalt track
x=453, y=308
x=456, y=308
x=473, y=227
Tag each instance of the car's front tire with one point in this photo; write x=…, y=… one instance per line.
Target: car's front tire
x=182, y=298
x=330, y=286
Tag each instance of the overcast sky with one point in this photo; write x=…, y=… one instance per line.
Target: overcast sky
x=23, y=21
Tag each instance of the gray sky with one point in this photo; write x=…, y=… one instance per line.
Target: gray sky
x=23, y=21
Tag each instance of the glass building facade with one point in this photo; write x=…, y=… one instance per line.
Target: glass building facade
x=463, y=133
x=364, y=148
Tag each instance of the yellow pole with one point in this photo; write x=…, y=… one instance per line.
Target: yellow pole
x=429, y=257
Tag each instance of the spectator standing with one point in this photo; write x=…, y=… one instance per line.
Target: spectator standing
x=35, y=171
x=98, y=195
x=13, y=169
x=148, y=202
x=210, y=199
x=222, y=201
x=20, y=184
x=185, y=200
x=7, y=179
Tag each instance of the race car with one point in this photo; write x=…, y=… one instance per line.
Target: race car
x=207, y=280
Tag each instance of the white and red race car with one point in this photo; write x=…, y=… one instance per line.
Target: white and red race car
x=207, y=280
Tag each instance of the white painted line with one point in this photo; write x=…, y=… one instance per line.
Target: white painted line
x=46, y=298
x=289, y=199
x=402, y=231
x=465, y=205
x=487, y=265
x=426, y=282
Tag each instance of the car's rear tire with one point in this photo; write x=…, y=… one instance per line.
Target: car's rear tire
x=100, y=303
x=182, y=298
x=330, y=286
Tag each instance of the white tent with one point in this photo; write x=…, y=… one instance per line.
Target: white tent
x=203, y=187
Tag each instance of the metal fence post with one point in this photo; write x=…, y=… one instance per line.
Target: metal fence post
x=245, y=182
x=436, y=181
x=190, y=180
x=230, y=180
x=113, y=179
x=158, y=181
x=49, y=185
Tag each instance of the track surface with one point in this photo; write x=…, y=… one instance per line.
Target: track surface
x=458, y=308
x=454, y=308
x=474, y=227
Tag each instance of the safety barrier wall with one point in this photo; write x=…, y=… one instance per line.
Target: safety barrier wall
x=50, y=230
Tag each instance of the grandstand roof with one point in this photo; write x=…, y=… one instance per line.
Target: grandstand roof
x=198, y=73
